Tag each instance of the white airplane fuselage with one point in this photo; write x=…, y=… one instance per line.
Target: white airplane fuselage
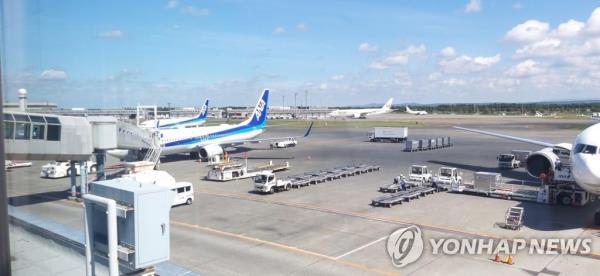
x=357, y=112
x=185, y=140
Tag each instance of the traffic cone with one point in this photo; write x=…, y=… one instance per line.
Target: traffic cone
x=509, y=260
x=497, y=258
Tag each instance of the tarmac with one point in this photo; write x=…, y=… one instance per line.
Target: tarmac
x=330, y=228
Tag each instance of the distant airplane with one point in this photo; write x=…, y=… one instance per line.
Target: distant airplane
x=363, y=112
x=415, y=112
x=539, y=114
x=179, y=122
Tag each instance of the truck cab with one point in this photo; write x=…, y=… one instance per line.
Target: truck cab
x=508, y=161
x=420, y=174
x=267, y=182
x=448, y=176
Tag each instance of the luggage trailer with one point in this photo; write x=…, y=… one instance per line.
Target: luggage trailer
x=402, y=196
x=321, y=176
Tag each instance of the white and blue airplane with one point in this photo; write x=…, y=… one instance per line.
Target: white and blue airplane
x=179, y=122
x=209, y=141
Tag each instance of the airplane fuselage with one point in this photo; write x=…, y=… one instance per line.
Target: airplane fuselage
x=186, y=140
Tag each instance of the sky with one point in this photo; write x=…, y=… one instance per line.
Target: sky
x=120, y=53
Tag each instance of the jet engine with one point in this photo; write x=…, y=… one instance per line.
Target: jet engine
x=210, y=151
x=542, y=161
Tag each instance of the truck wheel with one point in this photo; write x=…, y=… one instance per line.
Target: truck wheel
x=288, y=187
x=272, y=190
x=188, y=201
x=565, y=199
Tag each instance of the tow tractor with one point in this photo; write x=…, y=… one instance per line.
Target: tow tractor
x=266, y=182
x=288, y=143
x=58, y=169
x=447, y=176
x=420, y=174
x=8, y=164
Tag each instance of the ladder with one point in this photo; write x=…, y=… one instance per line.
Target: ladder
x=514, y=218
x=154, y=149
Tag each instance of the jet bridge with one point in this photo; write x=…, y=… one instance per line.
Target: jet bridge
x=32, y=136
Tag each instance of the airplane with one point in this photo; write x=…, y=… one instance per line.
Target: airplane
x=363, y=112
x=179, y=122
x=415, y=112
x=209, y=141
x=582, y=154
x=539, y=114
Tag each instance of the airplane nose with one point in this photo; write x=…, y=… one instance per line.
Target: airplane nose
x=585, y=174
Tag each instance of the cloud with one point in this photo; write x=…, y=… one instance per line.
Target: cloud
x=526, y=68
x=448, y=52
x=400, y=57
x=112, y=34
x=194, y=11
x=570, y=28
x=301, y=27
x=53, y=75
x=530, y=30
x=279, y=30
x=172, y=4
x=517, y=6
x=473, y=6
x=454, y=82
x=464, y=63
x=593, y=22
x=337, y=77
x=366, y=47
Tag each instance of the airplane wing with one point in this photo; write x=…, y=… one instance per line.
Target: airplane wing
x=525, y=140
x=241, y=142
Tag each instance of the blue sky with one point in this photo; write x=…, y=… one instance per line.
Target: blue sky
x=121, y=53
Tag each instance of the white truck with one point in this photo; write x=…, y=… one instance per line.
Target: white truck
x=420, y=173
x=236, y=170
x=508, y=161
x=448, y=176
x=58, y=169
x=521, y=155
x=266, y=182
x=287, y=143
x=388, y=134
x=184, y=191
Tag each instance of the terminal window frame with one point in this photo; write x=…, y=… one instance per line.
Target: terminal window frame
x=22, y=127
x=53, y=128
x=38, y=127
x=9, y=126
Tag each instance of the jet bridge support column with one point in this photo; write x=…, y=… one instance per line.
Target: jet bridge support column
x=83, y=179
x=73, y=178
x=100, y=162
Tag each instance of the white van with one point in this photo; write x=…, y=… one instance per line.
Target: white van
x=184, y=193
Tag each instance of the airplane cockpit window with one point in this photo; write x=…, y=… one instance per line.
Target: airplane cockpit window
x=586, y=149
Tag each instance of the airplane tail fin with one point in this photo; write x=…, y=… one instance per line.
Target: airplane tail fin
x=408, y=109
x=259, y=115
x=203, y=111
x=388, y=104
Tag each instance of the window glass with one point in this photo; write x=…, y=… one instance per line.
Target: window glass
x=188, y=188
x=37, y=132
x=590, y=149
x=9, y=130
x=52, y=120
x=53, y=133
x=8, y=116
x=579, y=148
x=180, y=190
x=21, y=118
x=37, y=119
x=22, y=131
